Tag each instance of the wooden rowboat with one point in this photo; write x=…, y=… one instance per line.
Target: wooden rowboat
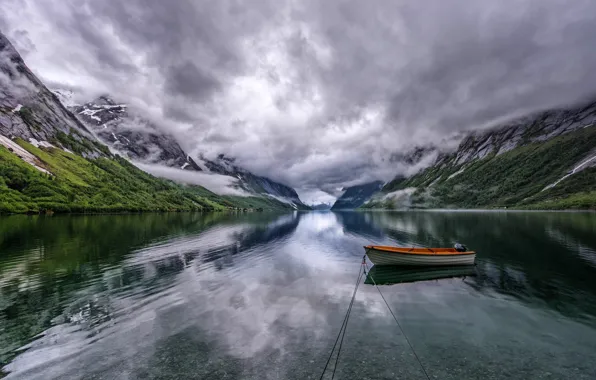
x=386, y=255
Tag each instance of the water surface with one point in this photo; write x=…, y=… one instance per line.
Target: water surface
x=262, y=296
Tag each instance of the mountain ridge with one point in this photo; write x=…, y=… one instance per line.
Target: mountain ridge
x=519, y=164
x=30, y=111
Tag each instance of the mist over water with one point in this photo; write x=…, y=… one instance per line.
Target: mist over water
x=262, y=296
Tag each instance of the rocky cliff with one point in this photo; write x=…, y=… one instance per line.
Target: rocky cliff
x=29, y=111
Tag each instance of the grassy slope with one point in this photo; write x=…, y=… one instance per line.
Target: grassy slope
x=513, y=179
x=99, y=185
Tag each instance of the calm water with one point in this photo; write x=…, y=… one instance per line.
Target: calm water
x=262, y=296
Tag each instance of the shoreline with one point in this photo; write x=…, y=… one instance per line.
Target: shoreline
x=240, y=210
x=467, y=210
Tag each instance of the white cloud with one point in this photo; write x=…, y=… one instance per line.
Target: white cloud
x=217, y=183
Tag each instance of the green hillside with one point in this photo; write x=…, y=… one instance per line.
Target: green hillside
x=514, y=179
x=98, y=185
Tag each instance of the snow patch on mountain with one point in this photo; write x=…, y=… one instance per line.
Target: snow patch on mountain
x=66, y=97
x=22, y=154
x=456, y=173
x=40, y=144
x=589, y=162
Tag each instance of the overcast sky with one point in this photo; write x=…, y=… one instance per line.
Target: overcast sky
x=315, y=93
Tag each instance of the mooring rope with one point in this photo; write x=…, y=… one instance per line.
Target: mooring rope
x=346, y=325
x=396, y=321
x=342, y=330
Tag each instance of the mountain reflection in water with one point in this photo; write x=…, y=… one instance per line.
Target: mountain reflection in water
x=259, y=295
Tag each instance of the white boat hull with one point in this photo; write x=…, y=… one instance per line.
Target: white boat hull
x=394, y=258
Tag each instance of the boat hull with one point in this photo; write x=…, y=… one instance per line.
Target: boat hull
x=380, y=258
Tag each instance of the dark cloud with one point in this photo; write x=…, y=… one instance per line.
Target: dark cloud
x=188, y=80
x=453, y=64
x=317, y=93
x=84, y=25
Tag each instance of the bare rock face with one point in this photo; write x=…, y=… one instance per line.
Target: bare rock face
x=30, y=111
x=540, y=127
x=131, y=135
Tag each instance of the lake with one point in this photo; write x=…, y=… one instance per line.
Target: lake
x=263, y=296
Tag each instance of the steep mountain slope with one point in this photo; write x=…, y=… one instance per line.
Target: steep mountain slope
x=355, y=196
x=30, y=111
x=139, y=139
x=543, y=161
x=50, y=162
x=143, y=142
x=254, y=183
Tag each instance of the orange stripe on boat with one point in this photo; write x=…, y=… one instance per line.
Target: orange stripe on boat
x=419, y=251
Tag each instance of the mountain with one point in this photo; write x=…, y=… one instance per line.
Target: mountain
x=543, y=161
x=253, y=183
x=135, y=137
x=28, y=110
x=142, y=141
x=51, y=162
x=321, y=207
x=353, y=197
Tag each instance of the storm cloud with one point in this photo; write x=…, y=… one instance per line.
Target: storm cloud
x=318, y=94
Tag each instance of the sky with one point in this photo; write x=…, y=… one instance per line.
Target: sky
x=317, y=94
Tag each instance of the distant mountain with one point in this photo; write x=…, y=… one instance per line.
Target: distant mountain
x=353, y=197
x=321, y=207
x=546, y=161
x=142, y=141
x=254, y=183
x=356, y=196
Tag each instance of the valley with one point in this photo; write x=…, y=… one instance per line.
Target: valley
x=101, y=156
